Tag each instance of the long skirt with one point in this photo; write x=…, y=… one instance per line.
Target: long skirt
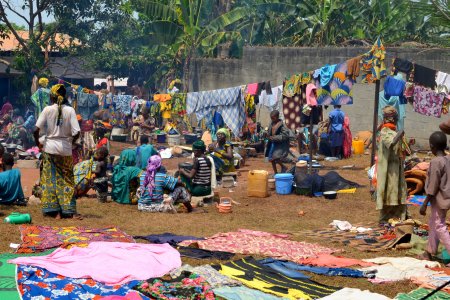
x=337, y=138
x=57, y=182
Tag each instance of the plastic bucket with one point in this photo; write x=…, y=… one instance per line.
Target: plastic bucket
x=173, y=139
x=283, y=183
x=190, y=138
x=161, y=138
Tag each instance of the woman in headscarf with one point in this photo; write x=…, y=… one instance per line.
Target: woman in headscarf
x=391, y=185
x=125, y=178
x=23, y=129
x=198, y=180
x=222, y=152
x=153, y=185
x=60, y=128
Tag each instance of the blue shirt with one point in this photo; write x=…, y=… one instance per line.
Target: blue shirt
x=336, y=120
x=10, y=187
x=162, y=182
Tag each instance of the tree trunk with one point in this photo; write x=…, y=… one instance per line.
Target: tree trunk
x=186, y=70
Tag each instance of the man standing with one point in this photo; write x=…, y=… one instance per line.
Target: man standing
x=278, y=147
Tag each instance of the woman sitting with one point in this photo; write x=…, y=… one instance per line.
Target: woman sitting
x=198, y=179
x=222, y=152
x=154, y=183
x=125, y=178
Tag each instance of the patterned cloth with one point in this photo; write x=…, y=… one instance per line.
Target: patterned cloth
x=420, y=293
x=255, y=275
x=82, y=173
x=211, y=275
x=187, y=286
x=291, y=111
x=373, y=65
x=242, y=293
x=39, y=238
x=338, y=90
x=40, y=99
x=260, y=243
x=123, y=103
x=427, y=102
x=228, y=102
x=38, y=283
x=57, y=184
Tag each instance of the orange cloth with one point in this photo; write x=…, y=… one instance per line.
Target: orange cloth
x=107, y=125
x=162, y=97
x=102, y=142
x=328, y=260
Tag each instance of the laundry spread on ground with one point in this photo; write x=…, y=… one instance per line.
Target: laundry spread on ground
x=39, y=238
x=109, y=262
x=253, y=242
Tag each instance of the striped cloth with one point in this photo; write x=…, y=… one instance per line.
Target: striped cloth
x=162, y=182
x=203, y=175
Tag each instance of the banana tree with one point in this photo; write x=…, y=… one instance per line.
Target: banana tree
x=188, y=28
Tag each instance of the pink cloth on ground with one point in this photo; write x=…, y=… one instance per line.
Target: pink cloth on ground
x=252, y=88
x=327, y=260
x=109, y=262
x=129, y=296
x=251, y=242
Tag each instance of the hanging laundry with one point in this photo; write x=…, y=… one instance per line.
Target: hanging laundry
x=116, y=117
x=424, y=76
x=306, y=78
x=179, y=104
x=373, y=65
x=311, y=98
x=228, y=102
x=316, y=73
x=395, y=86
x=353, y=67
x=252, y=88
x=123, y=103
x=326, y=74
x=291, y=86
x=338, y=91
x=291, y=111
x=442, y=82
x=87, y=105
x=272, y=101
x=162, y=97
x=257, y=276
x=395, y=102
x=427, y=102
x=402, y=65
x=40, y=99
x=264, y=86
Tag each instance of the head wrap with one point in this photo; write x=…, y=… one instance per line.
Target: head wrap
x=58, y=91
x=225, y=132
x=43, y=82
x=199, y=145
x=390, y=114
x=153, y=164
x=79, y=118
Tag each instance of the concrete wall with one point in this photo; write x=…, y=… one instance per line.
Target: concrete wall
x=274, y=64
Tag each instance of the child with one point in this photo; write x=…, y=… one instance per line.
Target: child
x=10, y=187
x=102, y=140
x=101, y=180
x=153, y=184
x=437, y=187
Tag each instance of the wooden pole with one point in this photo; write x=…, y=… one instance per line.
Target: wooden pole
x=375, y=122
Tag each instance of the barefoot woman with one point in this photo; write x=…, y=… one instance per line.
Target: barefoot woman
x=60, y=127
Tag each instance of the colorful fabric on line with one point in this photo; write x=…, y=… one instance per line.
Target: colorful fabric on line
x=338, y=90
x=373, y=65
x=292, y=85
x=123, y=103
x=228, y=102
x=420, y=293
x=187, y=286
x=260, y=243
x=87, y=105
x=255, y=275
x=57, y=183
x=39, y=238
x=40, y=99
x=38, y=283
x=109, y=262
x=427, y=102
x=242, y=293
x=291, y=111
x=8, y=286
x=179, y=104
x=326, y=74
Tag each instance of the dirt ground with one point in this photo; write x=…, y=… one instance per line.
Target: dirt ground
x=276, y=214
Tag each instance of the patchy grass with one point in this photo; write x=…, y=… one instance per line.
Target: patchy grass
x=273, y=214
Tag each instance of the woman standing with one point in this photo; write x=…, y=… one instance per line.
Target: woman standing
x=60, y=128
x=391, y=184
x=336, y=128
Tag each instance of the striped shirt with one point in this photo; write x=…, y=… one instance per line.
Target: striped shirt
x=203, y=175
x=162, y=182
